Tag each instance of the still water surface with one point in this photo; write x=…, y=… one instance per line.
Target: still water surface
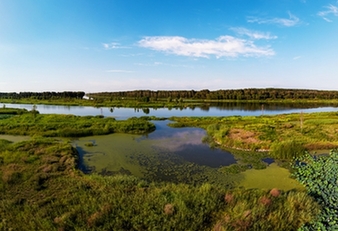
x=220, y=109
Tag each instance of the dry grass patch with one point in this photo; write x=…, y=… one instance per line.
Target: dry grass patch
x=244, y=136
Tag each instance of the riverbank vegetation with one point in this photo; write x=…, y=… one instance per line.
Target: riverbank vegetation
x=31, y=123
x=174, y=99
x=41, y=189
x=284, y=136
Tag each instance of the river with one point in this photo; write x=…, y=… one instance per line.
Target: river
x=216, y=109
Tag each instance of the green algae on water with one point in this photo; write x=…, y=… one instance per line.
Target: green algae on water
x=271, y=177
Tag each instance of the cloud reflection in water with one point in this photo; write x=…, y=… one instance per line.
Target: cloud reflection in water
x=187, y=143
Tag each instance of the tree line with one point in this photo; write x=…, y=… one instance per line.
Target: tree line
x=43, y=95
x=146, y=95
x=237, y=94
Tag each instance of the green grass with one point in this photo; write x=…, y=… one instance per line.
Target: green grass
x=41, y=189
x=12, y=111
x=52, y=125
x=280, y=134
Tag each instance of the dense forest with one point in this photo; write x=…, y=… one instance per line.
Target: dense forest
x=147, y=95
x=238, y=94
x=43, y=95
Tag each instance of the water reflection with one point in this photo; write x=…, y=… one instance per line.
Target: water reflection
x=167, y=154
x=209, y=109
x=187, y=143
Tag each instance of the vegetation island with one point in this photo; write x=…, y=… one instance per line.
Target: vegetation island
x=42, y=186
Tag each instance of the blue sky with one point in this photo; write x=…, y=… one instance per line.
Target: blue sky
x=116, y=45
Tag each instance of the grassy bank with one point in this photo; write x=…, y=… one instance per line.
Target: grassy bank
x=283, y=136
x=170, y=103
x=34, y=124
x=41, y=189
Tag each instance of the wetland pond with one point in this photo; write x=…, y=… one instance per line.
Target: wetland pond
x=173, y=154
x=166, y=154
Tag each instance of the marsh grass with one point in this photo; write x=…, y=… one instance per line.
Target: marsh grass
x=287, y=149
x=286, y=135
x=260, y=210
x=71, y=126
x=41, y=189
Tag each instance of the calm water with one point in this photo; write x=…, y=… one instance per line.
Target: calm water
x=221, y=109
x=124, y=152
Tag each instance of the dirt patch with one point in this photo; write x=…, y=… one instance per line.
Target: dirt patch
x=244, y=136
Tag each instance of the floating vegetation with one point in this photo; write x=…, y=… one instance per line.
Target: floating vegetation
x=319, y=175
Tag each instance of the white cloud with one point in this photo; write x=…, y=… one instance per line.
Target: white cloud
x=223, y=46
x=110, y=46
x=253, y=34
x=288, y=22
x=331, y=10
x=119, y=71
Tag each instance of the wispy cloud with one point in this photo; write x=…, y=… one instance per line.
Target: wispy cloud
x=253, y=34
x=131, y=55
x=287, y=22
x=154, y=64
x=223, y=46
x=119, y=71
x=110, y=46
x=297, y=57
x=331, y=10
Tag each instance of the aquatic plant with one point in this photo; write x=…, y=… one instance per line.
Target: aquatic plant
x=320, y=177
